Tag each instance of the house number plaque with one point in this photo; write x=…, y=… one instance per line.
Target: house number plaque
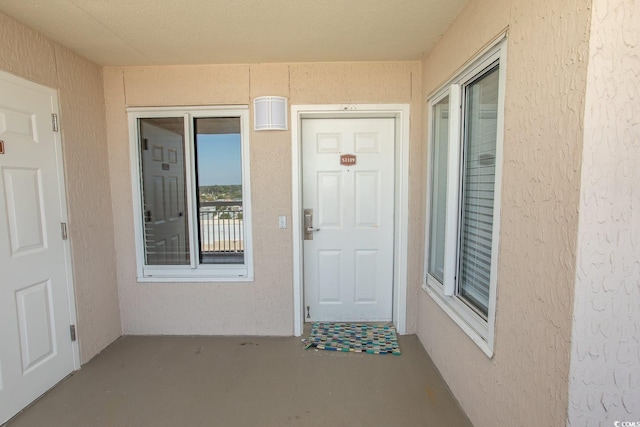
x=347, y=160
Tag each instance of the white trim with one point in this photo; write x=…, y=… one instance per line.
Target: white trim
x=453, y=186
x=162, y=111
x=193, y=272
x=399, y=112
x=481, y=331
x=71, y=295
x=467, y=66
x=497, y=197
x=189, y=180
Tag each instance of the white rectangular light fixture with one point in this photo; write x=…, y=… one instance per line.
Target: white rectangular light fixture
x=270, y=113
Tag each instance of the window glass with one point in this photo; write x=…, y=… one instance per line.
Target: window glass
x=219, y=182
x=164, y=205
x=192, y=193
x=440, y=123
x=465, y=174
x=478, y=189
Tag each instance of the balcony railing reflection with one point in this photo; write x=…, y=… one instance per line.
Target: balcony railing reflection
x=221, y=229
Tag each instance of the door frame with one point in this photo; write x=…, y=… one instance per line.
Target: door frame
x=398, y=112
x=61, y=175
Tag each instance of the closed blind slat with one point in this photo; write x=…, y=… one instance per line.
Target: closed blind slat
x=478, y=187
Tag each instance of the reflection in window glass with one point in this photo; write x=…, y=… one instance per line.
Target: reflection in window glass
x=166, y=236
x=219, y=183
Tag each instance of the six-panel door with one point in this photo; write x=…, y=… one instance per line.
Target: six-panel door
x=348, y=182
x=35, y=344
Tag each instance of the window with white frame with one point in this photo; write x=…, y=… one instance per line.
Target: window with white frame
x=190, y=169
x=466, y=122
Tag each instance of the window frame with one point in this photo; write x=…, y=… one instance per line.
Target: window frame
x=477, y=327
x=194, y=271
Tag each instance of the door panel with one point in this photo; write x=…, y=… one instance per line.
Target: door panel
x=365, y=280
x=329, y=200
x=329, y=276
x=25, y=217
x=367, y=199
x=35, y=324
x=348, y=265
x=35, y=304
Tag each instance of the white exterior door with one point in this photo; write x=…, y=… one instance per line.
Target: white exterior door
x=36, y=350
x=348, y=183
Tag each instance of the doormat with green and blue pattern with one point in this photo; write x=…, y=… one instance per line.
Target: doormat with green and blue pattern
x=354, y=337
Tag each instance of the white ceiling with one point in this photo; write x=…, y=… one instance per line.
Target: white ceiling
x=163, y=32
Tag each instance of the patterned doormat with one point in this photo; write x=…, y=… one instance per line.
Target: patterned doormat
x=354, y=337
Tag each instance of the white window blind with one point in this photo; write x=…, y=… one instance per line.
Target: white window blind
x=478, y=189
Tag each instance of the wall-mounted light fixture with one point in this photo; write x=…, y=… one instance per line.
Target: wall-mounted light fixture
x=270, y=113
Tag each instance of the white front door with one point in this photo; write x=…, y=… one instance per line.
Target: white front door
x=36, y=350
x=348, y=184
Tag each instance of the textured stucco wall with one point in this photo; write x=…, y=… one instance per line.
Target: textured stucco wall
x=605, y=352
x=526, y=382
x=265, y=306
x=82, y=123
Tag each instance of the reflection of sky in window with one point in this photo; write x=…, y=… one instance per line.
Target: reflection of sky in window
x=219, y=160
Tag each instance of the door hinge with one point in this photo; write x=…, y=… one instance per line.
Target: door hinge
x=308, y=313
x=72, y=332
x=54, y=122
x=63, y=229
x=145, y=144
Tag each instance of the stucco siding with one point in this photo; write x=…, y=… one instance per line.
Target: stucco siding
x=264, y=306
x=605, y=351
x=526, y=381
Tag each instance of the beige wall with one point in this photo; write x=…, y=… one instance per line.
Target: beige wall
x=526, y=382
x=265, y=306
x=82, y=122
x=605, y=355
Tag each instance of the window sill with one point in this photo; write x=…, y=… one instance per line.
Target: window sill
x=194, y=279
x=455, y=316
